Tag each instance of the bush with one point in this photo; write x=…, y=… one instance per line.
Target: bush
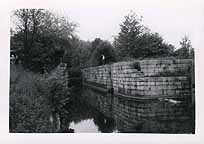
x=29, y=109
x=33, y=99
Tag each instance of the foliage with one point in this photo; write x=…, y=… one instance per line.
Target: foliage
x=186, y=50
x=127, y=39
x=135, y=40
x=33, y=98
x=153, y=45
x=29, y=109
x=81, y=54
x=85, y=54
x=102, y=48
x=56, y=93
x=44, y=37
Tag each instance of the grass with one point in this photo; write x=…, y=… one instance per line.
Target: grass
x=33, y=98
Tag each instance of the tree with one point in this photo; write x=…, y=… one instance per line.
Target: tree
x=102, y=48
x=153, y=45
x=130, y=31
x=45, y=37
x=81, y=53
x=84, y=53
x=186, y=50
x=137, y=41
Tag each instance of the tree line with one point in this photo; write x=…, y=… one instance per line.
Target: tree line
x=42, y=39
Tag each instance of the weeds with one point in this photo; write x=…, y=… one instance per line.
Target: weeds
x=33, y=98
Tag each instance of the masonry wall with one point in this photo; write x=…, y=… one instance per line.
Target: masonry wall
x=143, y=78
x=144, y=90
x=152, y=78
x=99, y=76
x=138, y=115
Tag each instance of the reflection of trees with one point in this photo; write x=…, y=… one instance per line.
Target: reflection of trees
x=77, y=110
x=105, y=124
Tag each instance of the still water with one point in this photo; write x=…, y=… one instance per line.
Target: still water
x=88, y=126
x=90, y=111
x=84, y=126
x=84, y=118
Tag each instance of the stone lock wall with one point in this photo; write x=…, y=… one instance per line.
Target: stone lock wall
x=143, y=78
x=152, y=78
x=98, y=76
x=143, y=90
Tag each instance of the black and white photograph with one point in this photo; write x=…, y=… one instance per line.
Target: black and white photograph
x=125, y=67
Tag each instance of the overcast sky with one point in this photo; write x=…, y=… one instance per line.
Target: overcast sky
x=172, y=19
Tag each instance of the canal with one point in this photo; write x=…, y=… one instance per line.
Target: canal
x=91, y=111
x=84, y=118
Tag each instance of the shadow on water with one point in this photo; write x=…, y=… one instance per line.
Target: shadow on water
x=91, y=111
x=82, y=117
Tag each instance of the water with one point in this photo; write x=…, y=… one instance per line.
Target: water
x=84, y=118
x=85, y=126
x=91, y=111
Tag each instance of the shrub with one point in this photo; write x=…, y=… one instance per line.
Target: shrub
x=33, y=99
x=29, y=109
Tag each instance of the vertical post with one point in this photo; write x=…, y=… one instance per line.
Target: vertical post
x=103, y=59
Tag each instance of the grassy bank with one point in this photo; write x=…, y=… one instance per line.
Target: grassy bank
x=33, y=99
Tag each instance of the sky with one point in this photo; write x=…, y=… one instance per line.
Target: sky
x=171, y=19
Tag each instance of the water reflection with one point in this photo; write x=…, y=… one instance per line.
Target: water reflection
x=84, y=126
x=84, y=118
x=91, y=111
